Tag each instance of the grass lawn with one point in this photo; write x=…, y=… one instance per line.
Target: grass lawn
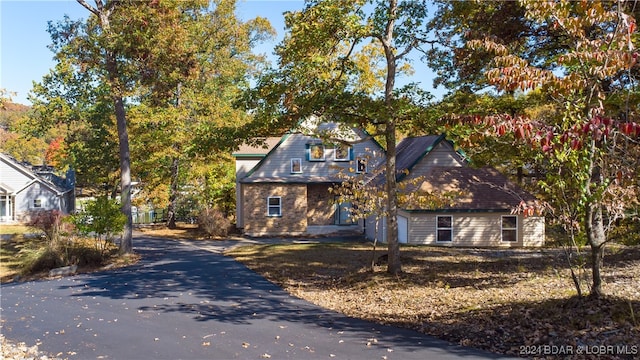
x=14, y=229
x=496, y=300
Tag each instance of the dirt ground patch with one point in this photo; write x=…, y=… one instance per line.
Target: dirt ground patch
x=516, y=302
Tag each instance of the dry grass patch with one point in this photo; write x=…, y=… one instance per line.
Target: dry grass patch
x=489, y=299
x=184, y=231
x=26, y=257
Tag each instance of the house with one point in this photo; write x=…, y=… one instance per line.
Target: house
x=480, y=213
x=25, y=188
x=286, y=192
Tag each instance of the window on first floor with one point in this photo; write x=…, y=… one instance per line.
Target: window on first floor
x=444, y=228
x=509, y=225
x=274, y=206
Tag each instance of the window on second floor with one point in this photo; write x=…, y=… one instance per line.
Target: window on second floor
x=315, y=152
x=342, y=152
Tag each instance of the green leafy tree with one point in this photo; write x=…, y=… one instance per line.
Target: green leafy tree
x=340, y=61
x=93, y=77
x=102, y=219
x=199, y=56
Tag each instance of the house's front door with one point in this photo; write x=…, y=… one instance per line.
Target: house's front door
x=403, y=229
x=342, y=214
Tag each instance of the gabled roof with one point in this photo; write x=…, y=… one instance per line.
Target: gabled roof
x=252, y=150
x=479, y=189
x=27, y=171
x=411, y=150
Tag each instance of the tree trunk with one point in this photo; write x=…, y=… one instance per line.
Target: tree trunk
x=173, y=194
x=594, y=226
x=117, y=94
x=126, y=246
x=394, y=265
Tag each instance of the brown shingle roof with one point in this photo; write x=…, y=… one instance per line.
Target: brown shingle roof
x=252, y=149
x=479, y=189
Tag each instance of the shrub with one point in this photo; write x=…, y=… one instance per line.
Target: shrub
x=84, y=253
x=42, y=259
x=213, y=222
x=49, y=222
x=101, y=219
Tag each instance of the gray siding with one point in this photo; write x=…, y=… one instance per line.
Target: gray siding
x=278, y=163
x=442, y=155
x=13, y=176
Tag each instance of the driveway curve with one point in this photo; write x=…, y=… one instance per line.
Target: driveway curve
x=182, y=301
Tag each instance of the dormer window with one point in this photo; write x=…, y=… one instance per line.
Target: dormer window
x=342, y=152
x=361, y=165
x=315, y=152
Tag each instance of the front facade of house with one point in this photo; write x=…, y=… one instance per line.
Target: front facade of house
x=287, y=192
x=23, y=190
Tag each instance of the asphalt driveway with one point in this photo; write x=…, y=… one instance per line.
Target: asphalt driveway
x=186, y=301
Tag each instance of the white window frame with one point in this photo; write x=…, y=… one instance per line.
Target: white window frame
x=299, y=162
x=278, y=206
x=364, y=162
x=335, y=152
x=438, y=228
x=39, y=202
x=503, y=228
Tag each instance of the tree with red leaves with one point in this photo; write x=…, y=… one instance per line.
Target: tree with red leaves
x=588, y=133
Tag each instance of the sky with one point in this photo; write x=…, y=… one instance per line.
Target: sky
x=25, y=58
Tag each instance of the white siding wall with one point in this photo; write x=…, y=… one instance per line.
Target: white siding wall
x=25, y=199
x=12, y=177
x=475, y=230
x=533, y=231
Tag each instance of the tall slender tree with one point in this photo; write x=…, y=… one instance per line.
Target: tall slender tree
x=340, y=60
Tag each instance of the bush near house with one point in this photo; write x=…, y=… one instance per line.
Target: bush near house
x=61, y=240
x=214, y=222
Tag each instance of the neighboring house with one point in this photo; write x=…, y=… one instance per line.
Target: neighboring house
x=481, y=213
x=286, y=192
x=25, y=188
